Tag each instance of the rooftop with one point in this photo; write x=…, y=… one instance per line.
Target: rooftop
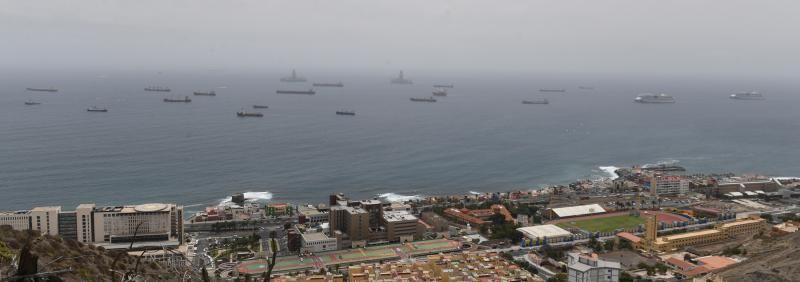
x=395, y=216
x=541, y=231
x=716, y=262
x=663, y=239
x=578, y=210
x=47, y=209
x=315, y=236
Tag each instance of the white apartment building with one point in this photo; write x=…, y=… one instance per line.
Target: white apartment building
x=160, y=223
x=667, y=185
x=18, y=220
x=590, y=268
x=45, y=220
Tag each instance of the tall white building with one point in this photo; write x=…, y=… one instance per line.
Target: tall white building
x=590, y=268
x=107, y=226
x=45, y=220
x=18, y=220
x=667, y=185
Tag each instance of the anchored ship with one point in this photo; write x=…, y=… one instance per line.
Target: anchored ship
x=429, y=100
x=440, y=92
x=293, y=78
x=97, y=109
x=586, y=88
x=260, y=107
x=536, y=102
x=208, y=93
x=184, y=100
x=304, y=92
x=443, y=85
x=249, y=114
x=157, y=89
x=321, y=84
x=553, y=90
x=41, y=89
x=346, y=113
x=752, y=95
x=32, y=103
x=400, y=79
x=654, y=99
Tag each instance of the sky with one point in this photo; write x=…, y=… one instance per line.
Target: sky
x=591, y=36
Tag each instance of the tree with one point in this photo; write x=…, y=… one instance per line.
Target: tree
x=609, y=245
x=273, y=244
x=560, y=277
x=625, y=277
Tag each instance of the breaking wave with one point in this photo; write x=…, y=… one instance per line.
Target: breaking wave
x=248, y=196
x=610, y=170
x=662, y=162
x=392, y=197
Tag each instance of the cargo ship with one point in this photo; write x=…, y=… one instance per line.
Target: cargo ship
x=752, y=95
x=249, y=114
x=321, y=84
x=260, y=107
x=184, y=100
x=553, y=90
x=346, y=113
x=536, y=102
x=443, y=86
x=32, y=103
x=157, y=89
x=400, y=79
x=208, y=93
x=440, y=92
x=97, y=109
x=654, y=99
x=302, y=92
x=429, y=100
x=293, y=78
x=41, y=89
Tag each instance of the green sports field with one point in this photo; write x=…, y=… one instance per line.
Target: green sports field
x=605, y=224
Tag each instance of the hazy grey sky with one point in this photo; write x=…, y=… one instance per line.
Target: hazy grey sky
x=692, y=36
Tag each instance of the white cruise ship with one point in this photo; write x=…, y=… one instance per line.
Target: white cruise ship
x=752, y=95
x=654, y=99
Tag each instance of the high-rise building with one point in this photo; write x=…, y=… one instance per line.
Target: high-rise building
x=349, y=220
x=45, y=220
x=666, y=185
x=401, y=224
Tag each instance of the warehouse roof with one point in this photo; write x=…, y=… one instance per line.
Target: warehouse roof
x=578, y=210
x=541, y=231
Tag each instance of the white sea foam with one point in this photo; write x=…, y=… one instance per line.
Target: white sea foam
x=392, y=197
x=248, y=196
x=662, y=162
x=610, y=170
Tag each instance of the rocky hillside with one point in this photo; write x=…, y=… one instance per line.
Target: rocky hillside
x=770, y=259
x=68, y=260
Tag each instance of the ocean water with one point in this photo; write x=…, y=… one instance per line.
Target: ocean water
x=479, y=138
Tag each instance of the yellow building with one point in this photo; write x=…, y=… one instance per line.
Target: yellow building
x=737, y=229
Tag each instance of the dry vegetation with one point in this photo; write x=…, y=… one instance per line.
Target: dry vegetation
x=82, y=262
x=770, y=259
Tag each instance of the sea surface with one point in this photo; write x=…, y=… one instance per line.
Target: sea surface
x=478, y=138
